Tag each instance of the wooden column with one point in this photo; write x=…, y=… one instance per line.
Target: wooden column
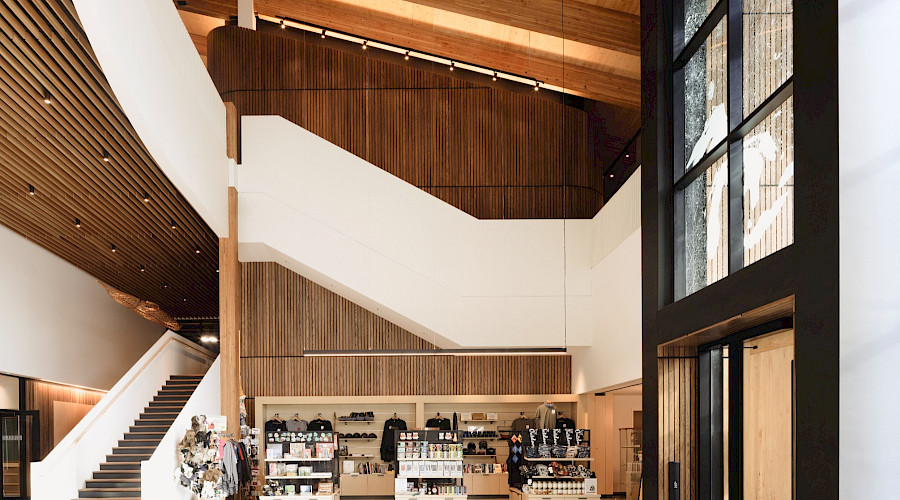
x=230, y=297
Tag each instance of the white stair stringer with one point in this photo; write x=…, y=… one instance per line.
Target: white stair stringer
x=404, y=254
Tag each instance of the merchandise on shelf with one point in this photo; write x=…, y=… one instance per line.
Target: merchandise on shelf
x=362, y=416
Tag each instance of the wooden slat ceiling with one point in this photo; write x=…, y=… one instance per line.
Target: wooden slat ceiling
x=59, y=149
x=588, y=47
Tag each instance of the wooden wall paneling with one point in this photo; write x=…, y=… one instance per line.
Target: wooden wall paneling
x=66, y=416
x=677, y=371
x=230, y=309
x=491, y=152
x=43, y=396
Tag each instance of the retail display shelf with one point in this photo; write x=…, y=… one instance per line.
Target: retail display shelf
x=298, y=497
x=558, y=477
x=431, y=476
x=299, y=459
x=428, y=459
x=481, y=421
x=559, y=459
x=315, y=475
x=479, y=456
x=357, y=439
x=357, y=456
x=557, y=495
x=401, y=496
x=356, y=421
x=495, y=438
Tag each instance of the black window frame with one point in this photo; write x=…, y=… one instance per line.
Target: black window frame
x=738, y=127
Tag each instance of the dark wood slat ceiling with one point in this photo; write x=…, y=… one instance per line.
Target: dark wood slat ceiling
x=604, y=65
x=59, y=148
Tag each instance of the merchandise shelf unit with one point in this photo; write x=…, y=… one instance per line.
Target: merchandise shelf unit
x=557, y=465
x=630, y=459
x=431, y=463
x=300, y=464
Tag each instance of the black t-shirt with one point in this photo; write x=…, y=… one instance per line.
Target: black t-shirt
x=438, y=423
x=388, y=448
x=565, y=423
x=275, y=426
x=319, y=425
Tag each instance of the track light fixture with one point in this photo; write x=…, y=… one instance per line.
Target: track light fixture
x=537, y=86
x=142, y=268
x=406, y=57
x=31, y=190
x=112, y=247
x=365, y=44
x=165, y=284
x=173, y=224
x=146, y=197
x=494, y=78
x=627, y=156
x=105, y=156
x=47, y=98
x=209, y=339
x=282, y=25
x=197, y=250
x=452, y=64
x=323, y=34
x=77, y=222
x=612, y=175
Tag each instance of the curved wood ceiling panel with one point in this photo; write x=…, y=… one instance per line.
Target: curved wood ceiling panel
x=86, y=164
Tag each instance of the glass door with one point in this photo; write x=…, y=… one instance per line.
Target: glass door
x=11, y=481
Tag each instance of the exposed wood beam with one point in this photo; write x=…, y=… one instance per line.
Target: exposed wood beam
x=582, y=22
x=230, y=296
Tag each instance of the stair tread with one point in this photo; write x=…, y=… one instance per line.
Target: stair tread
x=111, y=490
x=123, y=480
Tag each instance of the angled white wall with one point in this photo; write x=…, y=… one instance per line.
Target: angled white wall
x=417, y=261
x=157, y=75
x=58, y=321
x=870, y=234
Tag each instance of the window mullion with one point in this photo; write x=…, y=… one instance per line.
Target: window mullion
x=735, y=144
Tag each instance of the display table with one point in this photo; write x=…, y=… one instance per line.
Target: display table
x=517, y=494
x=336, y=496
x=429, y=497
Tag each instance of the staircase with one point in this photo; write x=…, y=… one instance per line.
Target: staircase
x=119, y=476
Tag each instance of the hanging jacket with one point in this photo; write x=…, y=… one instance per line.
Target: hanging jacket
x=438, y=423
x=388, y=438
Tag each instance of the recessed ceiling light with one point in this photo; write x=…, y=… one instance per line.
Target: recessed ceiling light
x=197, y=250
x=142, y=268
x=77, y=222
x=209, y=339
x=112, y=247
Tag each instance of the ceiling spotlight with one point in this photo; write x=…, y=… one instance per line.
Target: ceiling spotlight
x=142, y=268
x=31, y=190
x=282, y=24
x=165, y=284
x=47, y=98
x=209, y=339
x=612, y=175
x=406, y=57
x=112, y=247
x=184, y=299
x=537, y=86
x=173, y=224
x=105, y=156
x=627, y=156
x=323, y=34
x=452, y=64
x=217, y=271
x=197, y=250
x=365, y=44
x=146, y=197
x=495, y=76
x=77, y=222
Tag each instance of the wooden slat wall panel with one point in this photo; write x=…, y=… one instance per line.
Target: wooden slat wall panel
x=41, y=395
x=404, y=375
x=286, y=314
x=677, y=368
x=488, y=151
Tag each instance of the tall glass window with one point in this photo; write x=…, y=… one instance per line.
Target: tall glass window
x=734, y=142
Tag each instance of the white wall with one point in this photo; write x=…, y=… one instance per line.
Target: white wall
x=58, y=321
x=9, y=393
x=614, y=353
x=870, y=234
x=157, y=474
x=159, y=79
x=404, y=254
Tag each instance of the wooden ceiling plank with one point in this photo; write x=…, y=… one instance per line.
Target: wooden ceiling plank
x=572, y=20
x=135, y=152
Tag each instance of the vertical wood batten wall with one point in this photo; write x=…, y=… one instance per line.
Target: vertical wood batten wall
x=40, y=396
x=678, y=392
x=285, y=314
x=491, y=152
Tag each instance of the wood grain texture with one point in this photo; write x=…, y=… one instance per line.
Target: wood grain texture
x=66, y=416
x=597, y=58
x=230, y=311
x=42, y=396
x=678, y=391
x=285, y=314
x=488, y=151
x=58, y=148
